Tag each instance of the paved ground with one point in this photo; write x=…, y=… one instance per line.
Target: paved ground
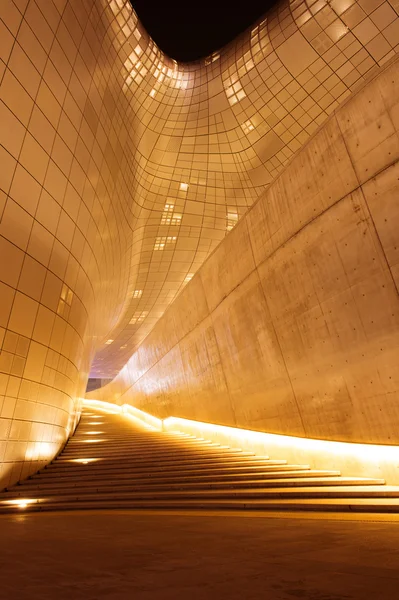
x=127, y=555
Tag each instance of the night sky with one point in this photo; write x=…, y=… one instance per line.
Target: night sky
x=188, y=31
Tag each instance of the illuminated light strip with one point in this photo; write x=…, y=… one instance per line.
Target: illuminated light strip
x=127, y=410
x=354, y=459
x=21, y=502
x=245, y=436
x=84, y=461
x=107, y=407
x=142, y=417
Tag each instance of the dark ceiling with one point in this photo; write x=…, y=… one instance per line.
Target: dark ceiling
x=188, y=31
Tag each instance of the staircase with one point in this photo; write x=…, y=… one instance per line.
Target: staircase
x=112, y=463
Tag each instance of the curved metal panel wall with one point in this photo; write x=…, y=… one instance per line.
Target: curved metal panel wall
x=122, y=170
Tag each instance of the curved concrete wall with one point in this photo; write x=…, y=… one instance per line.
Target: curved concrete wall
x=122, y=170
x=292, y=325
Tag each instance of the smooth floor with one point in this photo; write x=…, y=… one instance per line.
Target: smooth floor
x=132, y=555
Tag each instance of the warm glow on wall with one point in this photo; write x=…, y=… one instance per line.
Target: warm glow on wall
x=39, y=450
x=350, y=458
x=106, y=407
x=141, y=417
x=109, y=202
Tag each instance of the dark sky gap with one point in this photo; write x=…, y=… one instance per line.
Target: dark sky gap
x=188, y=31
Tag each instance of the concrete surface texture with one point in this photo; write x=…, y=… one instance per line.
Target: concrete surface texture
x=122, y=170
x=291, y=325
x=118, y=555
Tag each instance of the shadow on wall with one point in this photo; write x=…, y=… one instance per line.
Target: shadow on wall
x=95, y=383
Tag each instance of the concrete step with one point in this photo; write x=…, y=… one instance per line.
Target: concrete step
x=168, y=455
x=138, y=468
x=379, y=491
x=99, y=463
x=182, y=470
x=131, y=458
x=338, y=505
x=105, y=487
x=104, y=465
x=108, y=447
x=135, y=446
x=147, y=479
x=162, y=440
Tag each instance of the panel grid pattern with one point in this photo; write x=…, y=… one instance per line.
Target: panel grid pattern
x=99, y=132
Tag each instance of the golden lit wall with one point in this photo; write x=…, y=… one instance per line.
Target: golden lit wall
x=292, y=325
x=120, y=171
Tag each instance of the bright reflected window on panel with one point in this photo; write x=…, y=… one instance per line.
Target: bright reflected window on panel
x=169, y=217
x=65, y=300
x=257, y=36
x=137, y=293
x=232, y=219
x=176, y=219
x=108, y=342
x=245, y=64
x=160, y=72
x=138, y=317
x=61, y=307
x=188, y=277
x=234, y=90
x=123, y=347
x=66, y=294
x=248, y=126
x=337, y=30
x=340, y=6
x=135, y=67
x=316, y=5
x=181, y=81
x=161, y=242
x=184, y=186
x=116, y=5
x=303, y=18
x=212, y=58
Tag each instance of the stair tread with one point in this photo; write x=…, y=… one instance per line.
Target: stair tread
x=136, y=467
x=99, y=466
x=332, y=491
x=318, y=505
x=297, y=482
x=270, y=476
